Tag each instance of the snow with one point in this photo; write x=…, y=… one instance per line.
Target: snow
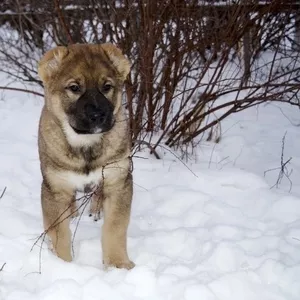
x=217, y=233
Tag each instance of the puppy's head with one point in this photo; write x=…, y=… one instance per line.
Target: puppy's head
x=83, y=85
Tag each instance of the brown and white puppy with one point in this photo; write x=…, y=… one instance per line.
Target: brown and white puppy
x=84, y=142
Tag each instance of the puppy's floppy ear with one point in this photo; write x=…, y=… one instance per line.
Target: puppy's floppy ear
x=119, y=61
x=50, y=62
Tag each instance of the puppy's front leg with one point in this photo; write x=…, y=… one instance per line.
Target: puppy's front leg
x=116, y=206
x=56, y=208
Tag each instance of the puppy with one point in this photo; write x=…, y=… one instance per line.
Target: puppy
x=84, y=143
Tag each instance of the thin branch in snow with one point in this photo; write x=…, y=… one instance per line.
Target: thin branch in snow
x=225, y=163
x=284, y=171
x=294, y=124
x=140, y=157
x=1, y=269
x=179, y=159
x=211, y=155
x=150, y=146
x=140, y=186
x=3, y=192
x=235, y=160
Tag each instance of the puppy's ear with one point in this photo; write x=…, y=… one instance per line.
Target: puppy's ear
x=51, y=61
x=119, y=61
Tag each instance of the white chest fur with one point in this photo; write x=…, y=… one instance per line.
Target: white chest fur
x=78, y=181
x=79, y=140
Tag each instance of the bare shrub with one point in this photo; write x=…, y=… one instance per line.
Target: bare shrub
x=193, y=62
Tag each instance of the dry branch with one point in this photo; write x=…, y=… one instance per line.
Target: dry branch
x=283, y=169
x=21, y=90
x=187, y=56
x=1, y=269
x=3, y=192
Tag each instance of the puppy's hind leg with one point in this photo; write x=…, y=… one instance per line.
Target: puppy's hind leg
x=96, y=207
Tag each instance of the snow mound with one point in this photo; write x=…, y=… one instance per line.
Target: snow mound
x=218, y=234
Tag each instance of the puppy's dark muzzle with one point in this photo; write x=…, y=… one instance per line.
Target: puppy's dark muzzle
x=96, y=115
x=93, y=113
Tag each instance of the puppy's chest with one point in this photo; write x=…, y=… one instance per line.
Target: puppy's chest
x=89, y=173
x=83, y=180
x=87, y=158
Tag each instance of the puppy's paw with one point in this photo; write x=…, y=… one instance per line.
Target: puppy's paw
x=96, y=216
x=64, y=255
x=126, y=265
x=120, y=264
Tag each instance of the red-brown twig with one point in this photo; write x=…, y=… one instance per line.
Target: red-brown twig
x=63, y=22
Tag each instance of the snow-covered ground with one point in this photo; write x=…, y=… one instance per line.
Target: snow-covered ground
x=217, y=232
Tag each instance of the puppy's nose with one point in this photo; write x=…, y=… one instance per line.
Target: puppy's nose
x=94, y=113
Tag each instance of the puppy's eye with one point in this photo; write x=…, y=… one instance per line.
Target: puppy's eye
x=75, y=88
x=106, y=87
